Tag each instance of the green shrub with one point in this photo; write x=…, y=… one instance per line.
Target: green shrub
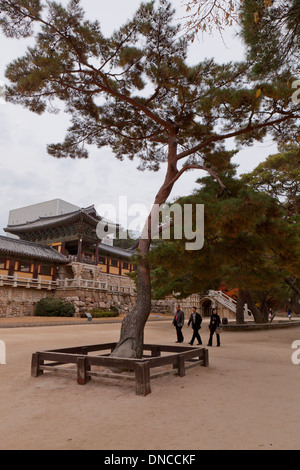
x=49, y=307
x=102, y=312
x=67, y=310
x=114, y=309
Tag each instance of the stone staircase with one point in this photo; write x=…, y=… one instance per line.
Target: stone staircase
x=226, y=301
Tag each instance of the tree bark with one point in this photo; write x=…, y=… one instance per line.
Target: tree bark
x=245, y=297
x=241, y=300
x=259, y=317
x=263, y=297
x=292, y=284
x=131, y=340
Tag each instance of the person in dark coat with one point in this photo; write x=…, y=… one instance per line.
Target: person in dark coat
x=195, y=320
x=213, y=325
x=178, y=322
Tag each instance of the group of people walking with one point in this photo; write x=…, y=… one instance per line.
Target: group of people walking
x=195, y=320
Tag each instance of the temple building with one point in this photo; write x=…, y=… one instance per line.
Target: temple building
x=58, y=253
x=31, y=261
x=53, y=249
x=74, y=235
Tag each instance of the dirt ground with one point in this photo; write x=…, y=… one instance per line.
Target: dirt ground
x=248, y=398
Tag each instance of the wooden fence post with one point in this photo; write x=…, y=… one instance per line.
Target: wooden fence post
x=142, y=378
x=180, y=365
x=82, y=369
x=205, y=358
x=36, y=361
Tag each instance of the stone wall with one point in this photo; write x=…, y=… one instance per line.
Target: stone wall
x=119, y=291
x=168, y=305
x=86, y=299
x=19, y=301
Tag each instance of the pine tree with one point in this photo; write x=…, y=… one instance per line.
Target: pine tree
x=271, y=31
x=249, y=245
x=135, y=92
x=279, y=176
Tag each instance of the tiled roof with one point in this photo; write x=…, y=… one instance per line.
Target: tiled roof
x=115, y=251
x=88, y=214
x=13, y=246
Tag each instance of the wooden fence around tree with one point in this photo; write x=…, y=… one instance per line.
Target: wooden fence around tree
x=139, y=370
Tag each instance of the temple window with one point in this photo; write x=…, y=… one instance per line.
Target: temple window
x=45, y=270
x=24, y=267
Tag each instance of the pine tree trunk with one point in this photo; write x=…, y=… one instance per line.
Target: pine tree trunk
x=131, y=340
x=240, y=307
x=259, y=316
x=245, y=297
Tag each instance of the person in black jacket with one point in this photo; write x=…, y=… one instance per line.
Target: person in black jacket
x=213, y=325
x=195, y=320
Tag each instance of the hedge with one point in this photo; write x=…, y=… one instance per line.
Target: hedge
x=50, y=307
x=100, y=312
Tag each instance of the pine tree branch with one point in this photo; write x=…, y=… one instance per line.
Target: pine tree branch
x=196, y=167
x=105, y=85
x=244, y=130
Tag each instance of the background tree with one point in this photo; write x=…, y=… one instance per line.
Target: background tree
x=135, y=92
x=269, y=28
x=279, y=176
x=210, y=15
x=249, y=245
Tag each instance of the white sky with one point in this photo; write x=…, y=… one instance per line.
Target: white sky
x=29, y=175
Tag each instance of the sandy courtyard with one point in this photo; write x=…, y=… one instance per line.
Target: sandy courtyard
x=248, y=398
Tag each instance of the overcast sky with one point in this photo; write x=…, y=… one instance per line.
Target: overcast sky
x=29, y=175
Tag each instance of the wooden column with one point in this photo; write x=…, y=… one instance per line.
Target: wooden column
x=97, y=254
x=11, y=268
x=79, y=250
x=35, y=271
